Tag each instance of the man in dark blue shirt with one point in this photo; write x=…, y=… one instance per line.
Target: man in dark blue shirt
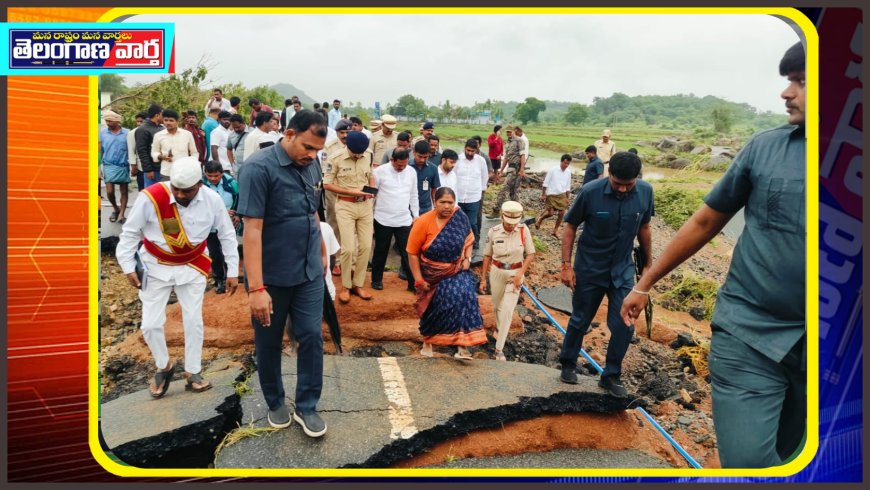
x=614, y=211
x=285, y=262
x=427, y=176
x=595, y=167
x=758, y=347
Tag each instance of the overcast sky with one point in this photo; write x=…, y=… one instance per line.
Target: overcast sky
x=468, y=58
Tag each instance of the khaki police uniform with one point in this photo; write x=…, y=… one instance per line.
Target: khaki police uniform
x=333, y=148
x=355, y=216
x=380, y=143
x=512, y=153
x=507, y=251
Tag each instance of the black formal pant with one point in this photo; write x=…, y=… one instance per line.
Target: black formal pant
x=218, y=264
x=383, y=237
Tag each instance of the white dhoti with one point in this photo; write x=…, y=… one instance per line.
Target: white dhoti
x=189, y=289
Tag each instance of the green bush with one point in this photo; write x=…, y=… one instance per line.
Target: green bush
x=675, y=206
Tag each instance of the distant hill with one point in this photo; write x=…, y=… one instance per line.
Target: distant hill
x=288, y=90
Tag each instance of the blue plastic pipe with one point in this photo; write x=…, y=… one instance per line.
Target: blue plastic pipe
x=598, y=368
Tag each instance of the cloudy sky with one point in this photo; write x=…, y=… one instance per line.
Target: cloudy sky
x=468, y=58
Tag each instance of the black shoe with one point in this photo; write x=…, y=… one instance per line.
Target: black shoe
x=220, y=287
x=402, y=275
x=311, y=423
x=568, y=375
x=280, y=417
x=378, y=285
x=613, y=385
x=411, y=288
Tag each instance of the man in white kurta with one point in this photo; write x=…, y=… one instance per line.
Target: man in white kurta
x=173, y=256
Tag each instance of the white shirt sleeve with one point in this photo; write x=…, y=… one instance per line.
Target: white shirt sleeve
x=415, y=196
x=484, y=172
x=131, y=148
x=132, y=233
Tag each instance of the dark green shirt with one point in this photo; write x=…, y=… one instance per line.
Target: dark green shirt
x=285, y=196
x=611, y=224
x=763, y=300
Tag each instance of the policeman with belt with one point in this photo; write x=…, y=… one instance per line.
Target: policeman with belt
x=510, y=250
x=350, y=171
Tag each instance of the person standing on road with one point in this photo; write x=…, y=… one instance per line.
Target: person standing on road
x=198, y=134
x=220, y=137
x=605, y=147
x=496, y=150
x=514, y=164
x=144, y=138
x=427, y=177
x=758, y=346
x=113, y=161
x=446, y=175
x=285, y=263
x=218, y=101
x=172, y=143
x=510, y=251
x=173, y=220
x=555, y=192
x=472, y=178
x=383, y=140
x=439, y=251
x=133, y=155
x=614, y=212
x=228, y=189
x=335, y=113
x=595, y=167
x=351, y=171
x=396, y=208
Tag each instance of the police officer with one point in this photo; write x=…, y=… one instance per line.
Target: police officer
x=287, y=280
x=614, y=211
x=514, y=163
x=334, y=147
x=385, y=139
x=351, y=170
x=510, y=250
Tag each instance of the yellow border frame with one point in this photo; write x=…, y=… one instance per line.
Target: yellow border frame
x=812, y=129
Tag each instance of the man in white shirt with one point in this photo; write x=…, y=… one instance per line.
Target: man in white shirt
x=332, y=248
x=220, y=137
x=218, y=101
x=396, y=208
x=262, y=125
x=522, y=135
x=472, y=176
x=172, y=143
x=132, y=155
x=335, y=113
x=446, y=175
x=557, y=188
x=174, y=219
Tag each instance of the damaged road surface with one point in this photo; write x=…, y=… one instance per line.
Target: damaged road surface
x=381, y=411
x=180, y=430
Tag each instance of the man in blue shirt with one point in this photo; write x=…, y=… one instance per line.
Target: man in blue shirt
x=227, y=188
x=758, y=347
x=595, y=167
x=427, y=176
x=209, y=125
x=113, y=162
x=614, y=211
x=285, y=263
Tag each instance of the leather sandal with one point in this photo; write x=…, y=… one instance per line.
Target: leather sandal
x=196, y=379
x=161, y=381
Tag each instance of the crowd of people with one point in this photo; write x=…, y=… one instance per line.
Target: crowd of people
x=307, y=194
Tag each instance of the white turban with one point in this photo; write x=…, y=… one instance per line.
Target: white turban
x=185, y=173
x=111, y=116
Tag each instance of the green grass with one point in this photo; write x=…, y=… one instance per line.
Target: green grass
x=693, y=291
x=676, y=205
x=540, y=247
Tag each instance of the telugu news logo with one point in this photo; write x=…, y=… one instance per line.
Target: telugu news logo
x=87, y=48
x=99, y=48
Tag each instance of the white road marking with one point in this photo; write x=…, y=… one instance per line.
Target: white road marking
x=401, y=413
